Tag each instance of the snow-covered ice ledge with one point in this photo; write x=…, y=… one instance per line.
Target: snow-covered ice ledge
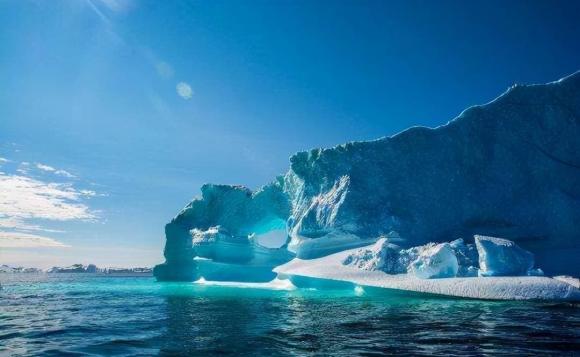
x=491, y=288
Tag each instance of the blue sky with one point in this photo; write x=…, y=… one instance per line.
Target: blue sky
x=113, y=113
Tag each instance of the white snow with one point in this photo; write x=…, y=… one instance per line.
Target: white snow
x=575, y=282
x=276, y=284
x=495, y=288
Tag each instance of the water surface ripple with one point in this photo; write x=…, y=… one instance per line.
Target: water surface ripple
x=83, y=314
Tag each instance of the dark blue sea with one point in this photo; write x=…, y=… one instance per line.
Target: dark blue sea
x=91, y=315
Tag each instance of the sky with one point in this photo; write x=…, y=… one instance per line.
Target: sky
x=113, y=113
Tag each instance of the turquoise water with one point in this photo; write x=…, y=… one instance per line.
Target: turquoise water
x=96, y=315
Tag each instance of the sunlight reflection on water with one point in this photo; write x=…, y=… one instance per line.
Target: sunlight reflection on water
x=103, y=315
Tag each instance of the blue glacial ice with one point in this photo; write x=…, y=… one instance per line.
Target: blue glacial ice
x=509, y=168
x=489, y=256
x=501, y=257
x=435, y=261
x=330, y=272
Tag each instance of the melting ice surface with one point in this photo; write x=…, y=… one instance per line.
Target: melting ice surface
x=505, y=176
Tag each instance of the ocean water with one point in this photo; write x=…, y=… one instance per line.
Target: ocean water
x=80, y=314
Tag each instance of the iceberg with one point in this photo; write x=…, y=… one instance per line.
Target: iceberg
x=11, y=270
x=330, y=272
x=428, y=261
x=501, y=257
x=467, y=258
x=75, y=268
x=435, y=261
x=226, y=226
x=509, y=168
x=492, y=257
x=382, y=255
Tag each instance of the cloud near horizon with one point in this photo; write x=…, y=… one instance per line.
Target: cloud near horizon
x=27, y=240
x=24, y=197
x=24, y=200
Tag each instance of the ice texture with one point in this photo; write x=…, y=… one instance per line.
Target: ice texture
x=435, y=261
x=432, y=260
x=382, y=256
x=467, y=258
x=502, y=257
x=489, y=256
x=509, y=168
x=330, y=272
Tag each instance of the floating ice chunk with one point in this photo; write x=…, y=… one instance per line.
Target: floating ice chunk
x=466, y=258
x=425, y=261
x=330, y=272
x=382, y=256
x=435, y=261
x=275, y=284
x=502, y=257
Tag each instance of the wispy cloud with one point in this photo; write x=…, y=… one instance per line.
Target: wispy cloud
x=24, y=197
x=53, y=170
x=26, y=201
x=19, y=224
x=184, y=90
x=26, y=240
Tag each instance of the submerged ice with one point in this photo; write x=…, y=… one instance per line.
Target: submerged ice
x=509, y=168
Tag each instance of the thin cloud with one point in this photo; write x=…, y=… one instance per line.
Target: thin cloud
x=47, y=168
x=27, y=198
x=26, y=201
x=12, y=223
x=26, y=240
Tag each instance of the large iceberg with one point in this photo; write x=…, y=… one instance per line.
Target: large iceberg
x=509, y=168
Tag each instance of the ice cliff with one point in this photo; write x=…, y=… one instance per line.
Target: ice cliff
x=509, y=168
